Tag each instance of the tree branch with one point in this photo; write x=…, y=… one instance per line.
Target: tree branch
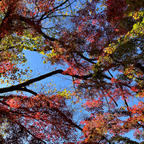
x=21, y=87
x=29, y=132
x=67, y=119
x=53, y=10
x=87, y=59
x=28, y=90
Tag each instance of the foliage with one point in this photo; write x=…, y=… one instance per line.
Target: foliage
x=101, y=44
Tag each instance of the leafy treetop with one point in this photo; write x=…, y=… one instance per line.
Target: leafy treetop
x=102, y=48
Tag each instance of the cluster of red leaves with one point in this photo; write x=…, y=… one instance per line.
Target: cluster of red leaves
x=6, y=67
x=70, y=71
x=93, y=103
x=115, y=9
x=99, y=125
x=14, y=102
x=41, y=113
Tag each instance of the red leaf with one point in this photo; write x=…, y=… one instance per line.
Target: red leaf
x=134, y=89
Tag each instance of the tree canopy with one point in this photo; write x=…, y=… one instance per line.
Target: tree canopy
x=101, y=45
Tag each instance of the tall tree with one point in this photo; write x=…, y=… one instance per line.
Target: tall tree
x=103, y=49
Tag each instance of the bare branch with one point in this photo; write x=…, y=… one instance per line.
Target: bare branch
x=22, y=86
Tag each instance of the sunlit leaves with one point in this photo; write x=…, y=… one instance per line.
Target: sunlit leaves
x=101, y=49
x=110, y=49
x=14, y=103
x=66, y=94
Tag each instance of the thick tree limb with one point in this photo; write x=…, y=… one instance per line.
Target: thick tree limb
x=28, y=90
x=22, y=86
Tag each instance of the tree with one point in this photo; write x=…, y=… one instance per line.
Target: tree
x=40, y=117
x=103, y=49
x=115, y=47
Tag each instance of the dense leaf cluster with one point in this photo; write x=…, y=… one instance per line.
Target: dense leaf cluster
x=101, y=44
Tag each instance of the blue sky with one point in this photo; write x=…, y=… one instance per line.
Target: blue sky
x=61, y=82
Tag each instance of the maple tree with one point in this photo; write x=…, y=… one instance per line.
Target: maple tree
x=102, y=48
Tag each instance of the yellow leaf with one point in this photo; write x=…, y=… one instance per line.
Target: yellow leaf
x=42, y=53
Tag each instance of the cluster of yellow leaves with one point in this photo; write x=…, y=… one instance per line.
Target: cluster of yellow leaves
x=104, y=60
x=110, y=49
x=138, y=27
x=136, y=15
x=31, y=42
x=130, y=72
x=51, y=54
x=65, y=93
